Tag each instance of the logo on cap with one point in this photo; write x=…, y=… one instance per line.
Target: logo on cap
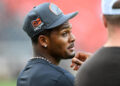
x=53, y=8
x=37, y=24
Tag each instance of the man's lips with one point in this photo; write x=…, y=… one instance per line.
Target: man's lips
x=71, y=46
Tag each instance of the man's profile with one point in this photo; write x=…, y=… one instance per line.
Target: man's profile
x=52, y=40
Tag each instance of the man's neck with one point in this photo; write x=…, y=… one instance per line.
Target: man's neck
x=113, y=39
x=39, y=52
x=49, y=58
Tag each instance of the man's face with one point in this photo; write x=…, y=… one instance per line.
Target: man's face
x=61, y=42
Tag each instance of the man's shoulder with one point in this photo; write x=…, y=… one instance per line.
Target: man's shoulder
x=47, y=80
x=41, y=67
x=53, y=75
x=45, y=74
x=47, y=68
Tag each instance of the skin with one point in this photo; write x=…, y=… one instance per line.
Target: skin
x=78, y=59
x=113, y=34
x=59, y=45
x=63, y=44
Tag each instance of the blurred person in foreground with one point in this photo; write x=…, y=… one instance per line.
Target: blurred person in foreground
x=103, y=68
x=52, y=40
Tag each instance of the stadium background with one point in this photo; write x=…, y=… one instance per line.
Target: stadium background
x=15, y=46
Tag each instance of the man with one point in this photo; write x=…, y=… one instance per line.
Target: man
x=103, y=68
x=52, y=41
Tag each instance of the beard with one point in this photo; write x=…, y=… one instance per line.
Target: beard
x=59, y=56
x=70, y=56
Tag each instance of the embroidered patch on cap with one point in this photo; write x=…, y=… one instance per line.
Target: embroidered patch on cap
x=53, y=8
x=37, y=24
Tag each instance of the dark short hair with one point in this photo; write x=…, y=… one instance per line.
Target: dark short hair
x=114, y=19
x=44, y=32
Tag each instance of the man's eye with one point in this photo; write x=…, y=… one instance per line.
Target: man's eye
x=64, y=34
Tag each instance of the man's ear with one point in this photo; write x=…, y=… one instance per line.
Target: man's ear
x=104, y=21
x=43, y=41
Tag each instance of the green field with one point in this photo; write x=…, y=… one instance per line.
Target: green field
x=8, y=83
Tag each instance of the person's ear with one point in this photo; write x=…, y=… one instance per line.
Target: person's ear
x=43, y=41
x=104, y=21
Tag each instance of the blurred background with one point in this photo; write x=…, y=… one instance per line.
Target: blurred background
x=15, y=45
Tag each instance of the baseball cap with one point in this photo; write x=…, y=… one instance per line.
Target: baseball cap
x=107, y=7
x=44, y=16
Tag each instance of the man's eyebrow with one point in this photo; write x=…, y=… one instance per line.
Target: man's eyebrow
x=67, y=26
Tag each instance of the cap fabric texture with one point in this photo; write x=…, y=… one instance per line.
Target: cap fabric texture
x=44, y=16
x=107, y=7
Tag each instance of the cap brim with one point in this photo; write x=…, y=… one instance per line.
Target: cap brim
x=62, y=20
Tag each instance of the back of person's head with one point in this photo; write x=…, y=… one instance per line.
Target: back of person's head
x=112, y=18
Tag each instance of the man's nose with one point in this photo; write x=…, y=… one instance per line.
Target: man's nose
x=72, y=38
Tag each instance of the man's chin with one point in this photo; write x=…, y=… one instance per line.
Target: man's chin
x=70, y=56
